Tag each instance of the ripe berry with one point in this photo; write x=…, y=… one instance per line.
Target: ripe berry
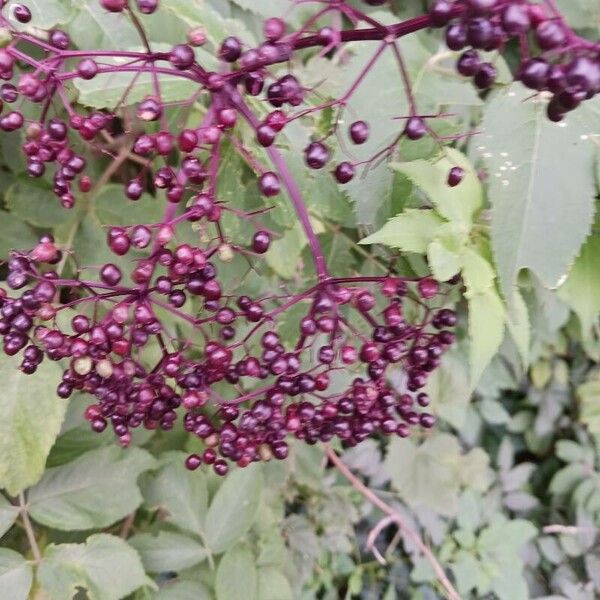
x=485, y=76
x=192, y=462
x=344, y=172
x=316, y=155
x=534, y=73
x=261, y=242
x=182, y=56
x=147, y=7
x=87, y=68
x=455, y=176
x=265, y=135
x=231, y=49
x=149, y=109
x=550, y=34
x=515, y=19
x=269, y=184
x=59, y=39
x=456, y=36
x=428, y=288
x=274, y=29
x=22, y=13
x=110, y=274
x=114, y=5
x=134, y=189
x=480, y=7
x=468, y=63
x=359, y=132
x=440, y=13
x=415, y=128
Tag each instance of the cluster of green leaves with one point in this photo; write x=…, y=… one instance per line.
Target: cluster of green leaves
x=506, y=491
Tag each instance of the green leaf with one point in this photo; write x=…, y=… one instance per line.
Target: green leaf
x=457, y=204
x=540, y=215
x=94, y=491
x=517, y=321
x=8, y=515
x=16, y=575
x=411, y=231
x=15, y=234
x=95, y=27
x=589, y=396
x=179, y=493
x=486, y=330
x=45, y=14
x=273, y=585
x=168, y=551
x=236, y=575
x=448, y=388
x=184, y=590
x=477, y=272
x=431, y=475
x=217, y=27
x=581, y=290
x=31, y=420
x=105, y=566
x=108, y=89
x=444, y=263
x=112, y=208
x=37, y=205
x=231, y=514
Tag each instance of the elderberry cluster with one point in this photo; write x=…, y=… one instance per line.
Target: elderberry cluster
x=364, y=346
x=556, y=61
x=105, y=356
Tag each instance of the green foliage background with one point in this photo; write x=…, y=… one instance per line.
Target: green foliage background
x=506, y=491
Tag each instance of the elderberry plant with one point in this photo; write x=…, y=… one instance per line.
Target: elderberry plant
x=222, y=367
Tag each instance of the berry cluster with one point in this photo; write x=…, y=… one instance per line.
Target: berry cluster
x=224, y=369
x=553, y=58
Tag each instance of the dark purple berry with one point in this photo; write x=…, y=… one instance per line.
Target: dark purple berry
x=269, y=184
x=359, y=132
x=455, y=176
x=344, y=172
x=316, y=155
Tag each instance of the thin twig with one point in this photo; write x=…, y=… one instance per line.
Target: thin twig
x=35, y=549
x=127, y=526
x=370, y=495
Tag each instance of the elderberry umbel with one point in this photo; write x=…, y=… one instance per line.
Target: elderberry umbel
x=278, y=389
x=161, y=331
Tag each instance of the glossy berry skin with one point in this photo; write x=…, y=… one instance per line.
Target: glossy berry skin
x=456, y=36
x=415, y=128
x=316, y=155
x=147, y=7
x=344, y=172
x=274, y=29
x=265, y=135
x=87, y=68
x=428, y=288
x=231, y=49
x=269, y=184
x=550, y=35
x=115, y=6
x=515, y=19
x=59, y=39
x=468, y=63
x=359, y=132
x=534, y=73
x=22, y=13
x=261, y=242
x=440, y=13
x=182, y=57
x=455, y=176
x=481, y=7
x=485, y=76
